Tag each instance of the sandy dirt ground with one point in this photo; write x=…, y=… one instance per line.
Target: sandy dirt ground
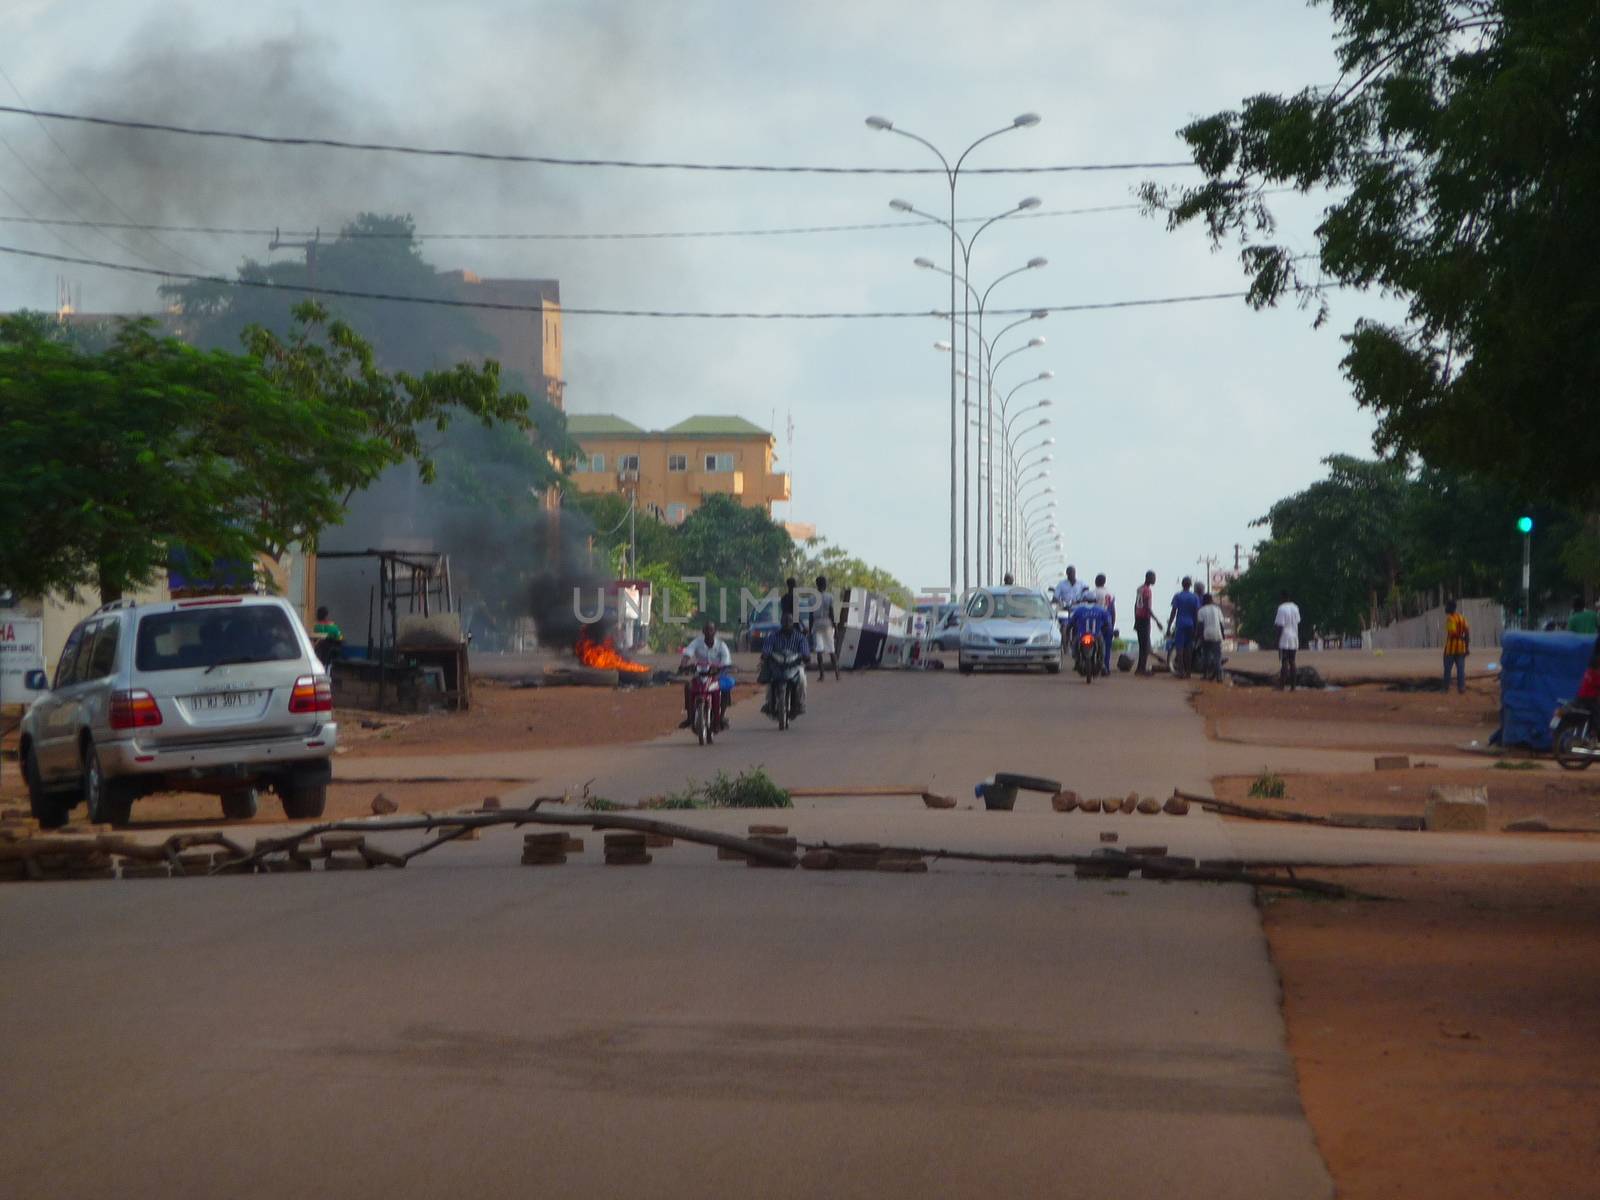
x=503, y=717
x=1364, y=717
x=1446, y=1043
x=1560, y=798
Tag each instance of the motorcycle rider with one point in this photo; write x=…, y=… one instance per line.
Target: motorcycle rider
x=1101, y=595
x=1088, y=617
x=787, y=638
x=707, y=650
x=1069, y=591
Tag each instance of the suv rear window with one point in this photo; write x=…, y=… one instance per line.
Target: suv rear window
x=178, y=641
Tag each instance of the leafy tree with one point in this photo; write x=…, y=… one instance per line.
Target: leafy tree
x=108, y=458
x=1462, y=143
x=733, y=545
x=1336, y=547
x=113, y=459
x=843, y=570
x=373, y=253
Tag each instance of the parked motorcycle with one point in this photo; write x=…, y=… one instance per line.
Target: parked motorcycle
x=1573, y=736
x=784, y=673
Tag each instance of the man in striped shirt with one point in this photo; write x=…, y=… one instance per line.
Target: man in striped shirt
x=1457, y=645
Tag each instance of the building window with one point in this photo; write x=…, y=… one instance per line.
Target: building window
x=628, y=462
x=597, y=462
x=677, y=462
x=676, y=514
x=719, y=462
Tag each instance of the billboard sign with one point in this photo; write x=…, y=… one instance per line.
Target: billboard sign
x=21, y=651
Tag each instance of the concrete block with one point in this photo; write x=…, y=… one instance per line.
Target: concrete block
x=343, y=841
x=1457, y=810
x=1147, y=851
x=1130, y=803
x=1065, y=801
x=1392, y=762
x=344, y=862
x=819, y=860
x=1176, y=806
x=1089, y=806
x=1108, y=835
x=632, y=859
x=1149, y=805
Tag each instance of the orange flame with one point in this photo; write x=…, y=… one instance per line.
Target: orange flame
x=604, y=655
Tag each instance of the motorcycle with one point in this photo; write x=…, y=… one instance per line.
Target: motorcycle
x=784, y=673
x=1573, y=736
x=705, y=695
x=1086, y=656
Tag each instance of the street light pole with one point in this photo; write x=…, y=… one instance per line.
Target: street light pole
x=1525, y=528
x=885, y=125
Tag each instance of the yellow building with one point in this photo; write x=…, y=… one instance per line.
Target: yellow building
x=672, y=470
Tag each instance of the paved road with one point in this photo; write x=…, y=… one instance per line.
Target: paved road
x=694, y=1028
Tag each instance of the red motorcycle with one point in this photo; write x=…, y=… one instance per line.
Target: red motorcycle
x=705, y=703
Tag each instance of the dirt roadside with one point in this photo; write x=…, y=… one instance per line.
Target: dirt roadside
x=1446, y=1043
x=503, y=717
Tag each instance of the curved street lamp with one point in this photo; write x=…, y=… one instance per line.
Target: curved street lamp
x=965, y=277
x=952, y=174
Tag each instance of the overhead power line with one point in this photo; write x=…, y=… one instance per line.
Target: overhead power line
x=664, y=314
x=550, y=160
x=643, y=235
x=87, y=178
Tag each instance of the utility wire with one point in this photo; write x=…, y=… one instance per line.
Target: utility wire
x=60, y=237
x=115, y=207
x=263, y=231
x=667, y=314
x=549, y=160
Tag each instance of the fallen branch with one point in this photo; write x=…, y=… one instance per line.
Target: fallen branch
x=1134, y=862
x=458, y=824
x=396, y=779
x=857, y=791
x=1229, y=809
x=120, y=844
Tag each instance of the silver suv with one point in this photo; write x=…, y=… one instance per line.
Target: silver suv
x=220, y=694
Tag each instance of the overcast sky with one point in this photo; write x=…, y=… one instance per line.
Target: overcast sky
x=1175, y=426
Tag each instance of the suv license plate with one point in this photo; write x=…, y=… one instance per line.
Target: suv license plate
x=223, y=701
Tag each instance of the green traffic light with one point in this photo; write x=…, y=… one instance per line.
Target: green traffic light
x=1524, y=524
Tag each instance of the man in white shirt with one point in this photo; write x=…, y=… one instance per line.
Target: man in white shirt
x=706, y=650
x=1209, y=622
x=1069, y=591
x=1101, y=595
x=1288, y=624
x=823, y=635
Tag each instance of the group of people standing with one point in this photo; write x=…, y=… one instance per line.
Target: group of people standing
x=1194, y=621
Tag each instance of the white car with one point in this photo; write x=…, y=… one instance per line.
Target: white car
x=1009, y=627
x=219, y=694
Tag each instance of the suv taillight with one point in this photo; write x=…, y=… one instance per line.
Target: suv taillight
x=134, y=710
x=312, y=694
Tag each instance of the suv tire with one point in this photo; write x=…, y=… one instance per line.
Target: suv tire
x=105, y=801
x=303, y=801
x=49, y=808
x=240, y=804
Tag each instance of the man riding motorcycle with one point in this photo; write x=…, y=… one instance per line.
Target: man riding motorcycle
x=707, y=650
x=1092, y=619
x=788, y=638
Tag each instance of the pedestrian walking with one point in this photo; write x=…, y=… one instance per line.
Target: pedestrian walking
x=1457, y=645
x=822, y=631
x=1287, y=623
x=1209, y=623
x=1144, y=611
x=1185, y=608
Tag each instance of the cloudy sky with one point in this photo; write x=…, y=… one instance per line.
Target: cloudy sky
x=1174, y=426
